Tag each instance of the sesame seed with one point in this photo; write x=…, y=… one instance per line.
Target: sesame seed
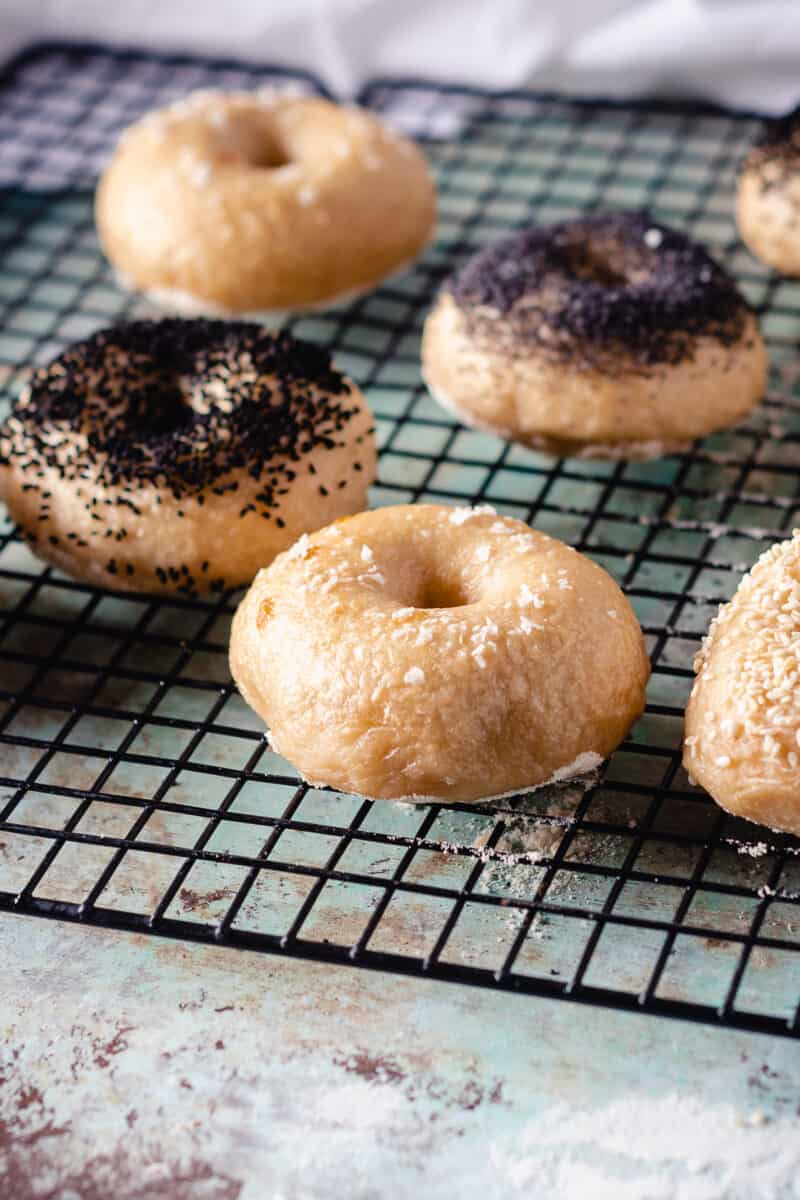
x=765, y=701
x=679, y=293
x=300, y=547
x=180, y=421
x=526, y=625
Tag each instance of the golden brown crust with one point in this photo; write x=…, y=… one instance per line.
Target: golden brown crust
x=245, y=202
x=743, y=717
x=553, y=406
x=427, y=652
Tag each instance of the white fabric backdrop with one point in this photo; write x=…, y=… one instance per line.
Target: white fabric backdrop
x=744, y=52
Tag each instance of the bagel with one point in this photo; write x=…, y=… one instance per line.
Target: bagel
x=606, y=337
x=742, y=740
x=421, y=652
x=180, y=455
x=248, y=202
x=768, y=196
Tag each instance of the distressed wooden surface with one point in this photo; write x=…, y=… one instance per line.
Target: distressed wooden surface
x=144, y=1069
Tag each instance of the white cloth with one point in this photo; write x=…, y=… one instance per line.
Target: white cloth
x=744, y=52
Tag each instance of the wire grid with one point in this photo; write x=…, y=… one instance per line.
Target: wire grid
x=136, y=789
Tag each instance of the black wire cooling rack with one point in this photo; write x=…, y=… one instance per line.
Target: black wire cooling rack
x=136, y=789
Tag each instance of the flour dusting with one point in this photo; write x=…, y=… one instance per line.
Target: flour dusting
x=652, y=1148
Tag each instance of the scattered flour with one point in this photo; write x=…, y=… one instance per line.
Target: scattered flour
x=532, y=833
x=651, y=1148
x=373, y=1133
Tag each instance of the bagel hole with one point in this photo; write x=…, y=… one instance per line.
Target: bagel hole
x=163, y=410
x=255, y=142
x=269, y=155
x=443, y=593
x=590, y=264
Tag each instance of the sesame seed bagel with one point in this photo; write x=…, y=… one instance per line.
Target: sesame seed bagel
x=429, y=653
x=743, y=717
x=180, y=455
x=607, y=337
x=248, y=202
x=768, y=196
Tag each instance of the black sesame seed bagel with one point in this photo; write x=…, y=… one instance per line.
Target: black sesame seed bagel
x=611, y=336
x=768, y=198
x=182, y=455
x=422, y=652
x=252, y=202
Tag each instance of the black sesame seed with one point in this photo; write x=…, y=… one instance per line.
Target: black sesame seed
x=588, y=289
x=127, y=387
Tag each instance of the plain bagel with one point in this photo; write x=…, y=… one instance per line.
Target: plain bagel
x=249, y=202
x=768, y=198
x=425, y=652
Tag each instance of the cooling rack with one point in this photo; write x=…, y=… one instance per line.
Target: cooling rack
x=136, y=789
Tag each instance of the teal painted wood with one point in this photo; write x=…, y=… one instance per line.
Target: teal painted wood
x=139, y=1068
